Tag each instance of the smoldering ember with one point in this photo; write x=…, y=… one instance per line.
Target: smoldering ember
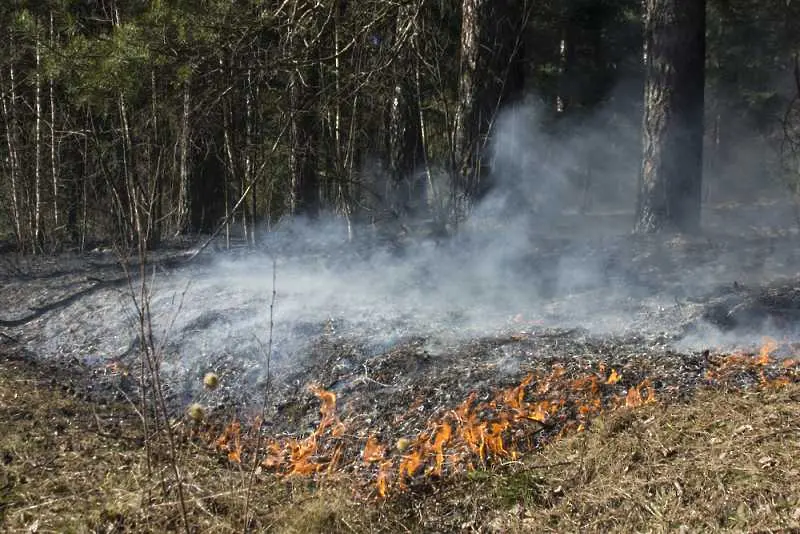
x=391, y=247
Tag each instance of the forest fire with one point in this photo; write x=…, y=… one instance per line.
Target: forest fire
x=761, y=368
x=519, y=244
x=477, y=433
x=474, y=433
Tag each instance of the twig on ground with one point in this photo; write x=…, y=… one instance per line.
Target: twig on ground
x=366, y=378
x=10, y=338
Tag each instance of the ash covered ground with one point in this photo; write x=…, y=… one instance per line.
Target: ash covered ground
x=384, y=326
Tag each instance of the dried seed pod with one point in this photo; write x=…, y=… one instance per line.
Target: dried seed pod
x=211, y=381
x=196, y=412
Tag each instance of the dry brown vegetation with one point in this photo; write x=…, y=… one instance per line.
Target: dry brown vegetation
x=725, y=459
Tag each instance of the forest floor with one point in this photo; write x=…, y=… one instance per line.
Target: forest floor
x=720, y=459
x=532, y=428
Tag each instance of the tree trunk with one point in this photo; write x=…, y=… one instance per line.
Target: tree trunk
x=672, y=164
x=465, y=142
x=231, y=171
x=85, y=190
x=405, y=144
x=304, y=197
x=53, y=162
x=132, y=219
x=37, y=172
x=248, y=179
x=153, y=196
x=184, y=196
x=491, y=74
x=344, y=144
x=8, y=104
x=404, y=129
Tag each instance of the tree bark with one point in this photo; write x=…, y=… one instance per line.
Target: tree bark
x=53, y=161
x=184, y=191
x=230, y=161
x=8, y=103
x=247, y=167
x=490, y=75
x=404, y=128
x=37, y=176
x=670, y=181
x=133, y=220
x=467, y=118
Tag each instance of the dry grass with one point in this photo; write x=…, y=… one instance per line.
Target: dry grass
x=725, y=461
x=61, y=457
x=71, y=465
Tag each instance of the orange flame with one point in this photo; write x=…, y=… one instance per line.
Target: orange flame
x=274, y=457
x=442, y=437
x=411, y=462
x=328, y=408
x=592, y=407
x=634, y=397
x=373, y=451
x=476, y=430
x=541, y=411
x=613, y=378
x=383, y=478
x=769, y=346
x=230, y=441
x=586, y=383
x=514, y=397
x=494, y=438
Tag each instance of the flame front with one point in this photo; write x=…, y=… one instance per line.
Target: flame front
x=488, y=430
x=764, y=355
x=480, y=432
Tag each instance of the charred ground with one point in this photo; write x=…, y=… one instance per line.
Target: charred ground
x=578, y=301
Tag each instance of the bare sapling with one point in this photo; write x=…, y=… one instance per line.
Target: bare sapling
x=153, y=406
x=264, y=404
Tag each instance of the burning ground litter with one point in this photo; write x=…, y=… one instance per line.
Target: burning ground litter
x=432, y=437
x=723, y=458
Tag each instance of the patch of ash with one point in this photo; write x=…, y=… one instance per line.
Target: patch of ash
x=387, y=319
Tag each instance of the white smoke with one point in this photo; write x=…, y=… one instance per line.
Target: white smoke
x=526, y=252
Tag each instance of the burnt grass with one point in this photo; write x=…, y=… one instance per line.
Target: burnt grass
x=393, y=391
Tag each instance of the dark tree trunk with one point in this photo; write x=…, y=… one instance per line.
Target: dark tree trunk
x=206, y=188
x=405, y=145
x=491, y=73
x=672, y=164
x=404, y=128
x=305, y=193
x=468, y=112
